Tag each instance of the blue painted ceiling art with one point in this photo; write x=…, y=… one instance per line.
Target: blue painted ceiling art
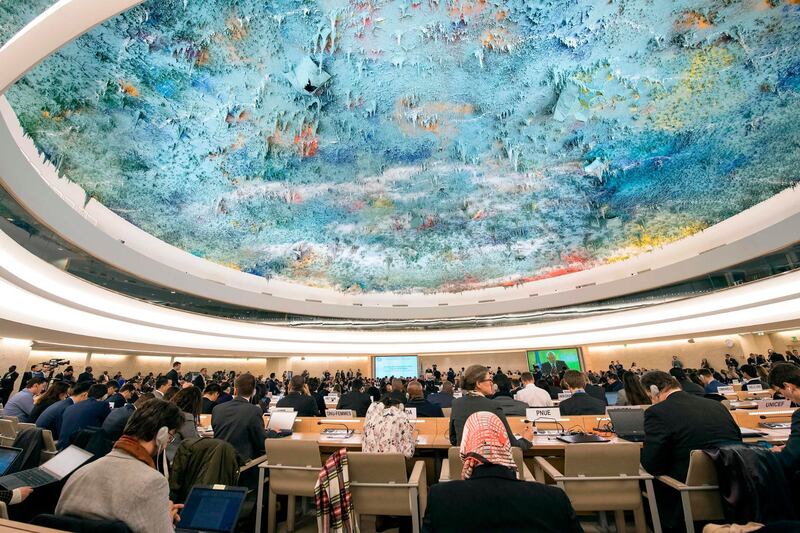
x=422, y=145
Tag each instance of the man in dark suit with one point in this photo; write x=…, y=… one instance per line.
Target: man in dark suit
x=416, y=399
x=477, y=385
x=303, y=403
x=239, y=422
x=596, y=391
x=356, y=400
x=553, y=365
x=26, y=376
x=785, y=378
x=613, y=384
x=444, y=398
x=505, y=399
x=114, y=424
x=687, y=385
x=91, y=412
x=174, y=374
x=676, y=424
x=7, y=383
x=318, y=392
x=200, y=380
x=86, y=375
x=210, y=395
x=579, y=403
x=750, y=376
x=52, y=417
x=775, y=357
x=123, y=396
x=398, y=393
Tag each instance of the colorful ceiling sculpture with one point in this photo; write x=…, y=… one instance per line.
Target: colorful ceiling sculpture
x=422, y=145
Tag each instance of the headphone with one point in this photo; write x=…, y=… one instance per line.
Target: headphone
x=161, y=438
x=654, y=390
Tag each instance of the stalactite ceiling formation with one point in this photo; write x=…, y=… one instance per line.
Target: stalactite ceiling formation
x=422, y=145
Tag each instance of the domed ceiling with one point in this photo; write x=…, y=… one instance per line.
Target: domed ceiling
x=434, y=145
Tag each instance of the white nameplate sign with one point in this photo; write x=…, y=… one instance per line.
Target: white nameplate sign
x=754, y=388
x=457, y=394
x=725, y=390
x=564, y=396
x=550, y=414
x=282, y=409
x=331, y=399
x=735, y=381
x=768, y=405
x=411, y=412
x=338, y=413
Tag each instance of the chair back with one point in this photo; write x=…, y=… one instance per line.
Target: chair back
x=7, y=431
x=706, y=505
x=456, y=464
x=13, y=419
x=447, y=411
x=22, y=426
x=379, y=468
x=297, y=453
x=79, y=524
x=618, y=460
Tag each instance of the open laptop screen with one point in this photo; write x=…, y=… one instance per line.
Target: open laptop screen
x=7, y=457
x=627, y=421
x=210, y=509
x=66, y=461
x=281, y=420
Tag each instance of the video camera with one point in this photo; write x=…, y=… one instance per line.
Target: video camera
x=56, y=362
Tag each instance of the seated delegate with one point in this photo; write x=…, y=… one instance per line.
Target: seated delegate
x=580, y=403
x=477, y=387
x=239, y=422
x=489, y=497
x=677, y=423
x=785, y=378
x=125, y=485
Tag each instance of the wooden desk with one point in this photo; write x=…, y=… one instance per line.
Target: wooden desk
x=12, y=527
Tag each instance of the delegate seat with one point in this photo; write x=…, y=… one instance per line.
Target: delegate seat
x=451, y=469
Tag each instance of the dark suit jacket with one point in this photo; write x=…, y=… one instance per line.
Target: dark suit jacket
x=240, y=423
x=116, y=420
x=510, y=406
x=85, y=376
x=25, y=377
x=118, y=400
x=479, y=500
x=425, y=409
x=208, y=406
x=88, y=413
x=319, y=397
x=691, y=387
x=753, y=382
x=200, y=382
x=467, y=405
x=172, y=375
x=582, y=404
x=596, y=391
x=672, y=429
x=790, y=456
x=52, y=416
x=441, y=399
x=399, y=396
x=681, y=423
x=355, y=401
x=304, y=405
x=547, y=368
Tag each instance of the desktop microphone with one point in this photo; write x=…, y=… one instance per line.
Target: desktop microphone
x=327, y=423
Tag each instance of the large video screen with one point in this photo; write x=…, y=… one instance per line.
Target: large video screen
x=396, y=365
x=549, y=360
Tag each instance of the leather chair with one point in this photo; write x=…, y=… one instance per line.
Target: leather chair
x=451, y=469
x=294, y=467
x=80, y=525
x=700, y=496
x=604, y=477
x=380, y=485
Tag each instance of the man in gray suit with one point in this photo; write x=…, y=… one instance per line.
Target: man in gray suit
x=239, y=422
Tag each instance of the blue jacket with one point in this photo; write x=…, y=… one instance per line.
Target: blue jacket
x=51, y=417
x=88, y=413
x=712, y=386
x=20, y=405
x=115, y=422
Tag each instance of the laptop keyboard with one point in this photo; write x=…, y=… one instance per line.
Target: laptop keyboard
x=34, y=478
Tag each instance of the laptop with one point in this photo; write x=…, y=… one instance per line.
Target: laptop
x=581, y=438
x=280, y=424
x=749, y=433
x=55, y=469
x=628, y=423
x=7, y=457
x=211, y=509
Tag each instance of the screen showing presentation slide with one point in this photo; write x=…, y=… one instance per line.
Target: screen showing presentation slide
x=549, y=361
x=396, y=365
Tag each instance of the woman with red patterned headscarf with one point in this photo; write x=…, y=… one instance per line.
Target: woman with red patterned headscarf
x=489, y=497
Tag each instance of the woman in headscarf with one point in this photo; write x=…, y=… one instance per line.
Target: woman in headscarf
x=489, y=496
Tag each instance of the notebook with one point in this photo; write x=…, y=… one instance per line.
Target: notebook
x=55, y=469
x=212, y=509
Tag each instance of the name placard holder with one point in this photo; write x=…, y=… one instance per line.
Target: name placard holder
x=338, y=413
x=564, y=396
x=754, y=388
x=725, y=390
x=411, y=412
x=772, y=405
x=545, y=414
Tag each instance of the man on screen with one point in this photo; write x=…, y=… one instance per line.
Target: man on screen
x=553, y=365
